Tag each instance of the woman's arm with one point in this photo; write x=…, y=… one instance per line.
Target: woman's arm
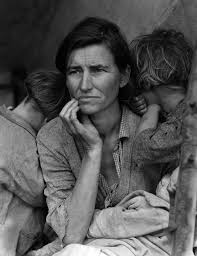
x=84, y=194
x=83, y=199
x=71, y=201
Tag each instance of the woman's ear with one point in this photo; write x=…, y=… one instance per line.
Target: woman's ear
x=125, y=76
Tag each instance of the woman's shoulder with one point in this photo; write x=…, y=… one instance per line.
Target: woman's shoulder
x=129, y=115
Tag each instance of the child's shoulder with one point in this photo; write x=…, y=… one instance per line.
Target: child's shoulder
x=179, y=112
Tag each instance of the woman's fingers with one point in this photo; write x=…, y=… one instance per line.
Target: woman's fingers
x=133, y=206
x=129, y=203
x=83, y=128
x=72, y=117
x=79, y=127
x=69, y=111
x=68, y=106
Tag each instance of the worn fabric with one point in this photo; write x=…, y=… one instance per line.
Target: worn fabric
x=182, y=17
x=83, y=250
x=47, y=250
x=22, y=227
x=162, y=144
x=21, y=183
x=61, y=154
x=55, y=249
x=120, y=222
x=20, y=172
x=118, y=231
x=142, y=230
x=121, y=231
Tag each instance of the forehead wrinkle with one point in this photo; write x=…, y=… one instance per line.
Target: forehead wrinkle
x=90, y=57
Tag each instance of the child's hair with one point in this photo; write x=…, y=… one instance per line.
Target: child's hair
x=163, y=57
x=47, y=91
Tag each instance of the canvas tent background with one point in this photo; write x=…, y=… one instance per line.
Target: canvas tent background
x=32, y=30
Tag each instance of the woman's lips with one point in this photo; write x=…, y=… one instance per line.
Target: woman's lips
x=86, y=98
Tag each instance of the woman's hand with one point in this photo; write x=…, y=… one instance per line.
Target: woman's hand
x=84, y=129
x=137, y=202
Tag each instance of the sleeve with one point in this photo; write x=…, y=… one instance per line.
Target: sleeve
x=22, y=176
x=28, y=183
x=59, y=186
x=160, y=145
x=119, y=222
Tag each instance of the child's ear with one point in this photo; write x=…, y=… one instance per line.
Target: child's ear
x=45, y=120
x=125, y=76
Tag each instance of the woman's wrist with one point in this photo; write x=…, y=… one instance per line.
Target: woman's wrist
x=95, y=151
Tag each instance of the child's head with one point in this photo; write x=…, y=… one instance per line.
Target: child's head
x=46, y=91
x=163, y=57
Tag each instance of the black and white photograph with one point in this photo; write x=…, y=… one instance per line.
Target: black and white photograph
x=98, y=127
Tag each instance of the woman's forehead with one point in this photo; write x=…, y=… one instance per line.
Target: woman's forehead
x=91, y=55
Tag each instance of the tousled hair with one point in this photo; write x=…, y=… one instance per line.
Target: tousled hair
x=47, y=91
x=90, y=31
x=163, y=57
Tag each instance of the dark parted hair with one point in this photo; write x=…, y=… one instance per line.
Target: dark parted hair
x=161, y=58
x=47, y=91
x=94, y=30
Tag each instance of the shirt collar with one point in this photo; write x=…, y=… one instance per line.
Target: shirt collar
x=124, y=126
x=8, y=114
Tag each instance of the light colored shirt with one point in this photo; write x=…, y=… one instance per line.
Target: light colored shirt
x=21, y=183
x=20, y=170
x=61, y=155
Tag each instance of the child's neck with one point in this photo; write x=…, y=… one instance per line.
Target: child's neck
x=26, y=111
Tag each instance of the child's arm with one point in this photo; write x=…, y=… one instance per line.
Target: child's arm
x=160, y=144
x=150, y=118
x=173, y=181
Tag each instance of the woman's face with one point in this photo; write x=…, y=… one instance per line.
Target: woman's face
x=93, y=78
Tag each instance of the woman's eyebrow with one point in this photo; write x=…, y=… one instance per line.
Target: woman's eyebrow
x=98, y=66
x=73, y=67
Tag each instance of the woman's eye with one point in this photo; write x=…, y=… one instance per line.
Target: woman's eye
x=73, y=72
x=97, y=70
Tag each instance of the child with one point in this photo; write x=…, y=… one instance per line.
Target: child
x=22, y=201
x=161, y=65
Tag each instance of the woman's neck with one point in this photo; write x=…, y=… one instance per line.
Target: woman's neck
x=107, y=122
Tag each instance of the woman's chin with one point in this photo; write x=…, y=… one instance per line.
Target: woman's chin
x=88, y=110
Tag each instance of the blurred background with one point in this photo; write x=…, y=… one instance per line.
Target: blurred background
x=31, y=30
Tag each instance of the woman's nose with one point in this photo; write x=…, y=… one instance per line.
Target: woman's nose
x=86, y=83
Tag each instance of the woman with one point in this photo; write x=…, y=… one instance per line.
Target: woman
x=86, y=154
